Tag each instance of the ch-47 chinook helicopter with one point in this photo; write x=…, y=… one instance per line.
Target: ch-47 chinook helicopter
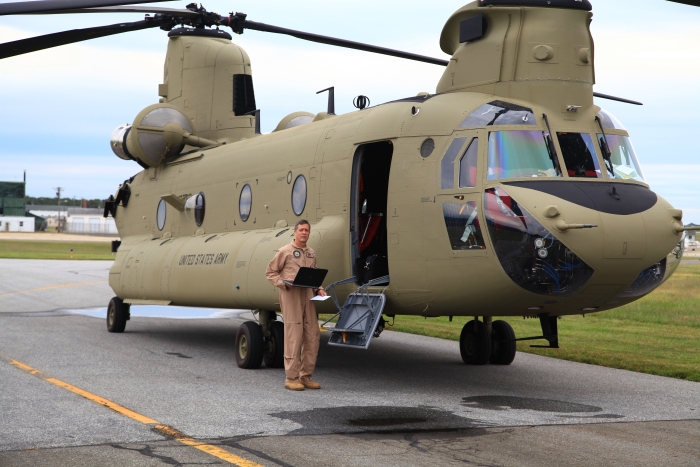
x=507, y=192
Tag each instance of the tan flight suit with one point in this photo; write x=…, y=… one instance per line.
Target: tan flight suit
x=301, y=333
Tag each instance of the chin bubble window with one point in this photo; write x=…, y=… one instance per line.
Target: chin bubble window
x=160, y=214
x=529, y=254
x=245, y=202
x=299, y=195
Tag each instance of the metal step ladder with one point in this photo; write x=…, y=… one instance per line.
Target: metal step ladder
x=358, y=317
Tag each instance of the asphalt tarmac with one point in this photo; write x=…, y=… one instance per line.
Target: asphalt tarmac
x=168, y=392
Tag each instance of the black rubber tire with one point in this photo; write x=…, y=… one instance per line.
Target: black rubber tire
x=502, y=343
x=274, y=347
x=249, y=346
x=117, y=315
x=475, y=347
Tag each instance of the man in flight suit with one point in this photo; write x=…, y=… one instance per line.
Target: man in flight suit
x=301, y=333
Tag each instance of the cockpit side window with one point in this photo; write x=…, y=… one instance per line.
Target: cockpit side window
x=467, y=165
x=520, y=153
x=624, y=160
x=579, y=155
x=499, y=113
x=447, y=165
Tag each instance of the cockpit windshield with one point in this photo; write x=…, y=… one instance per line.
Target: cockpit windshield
x=519, y=153
x=579, y=155
x=624, y=160
x=499, y=113
x=609, y=121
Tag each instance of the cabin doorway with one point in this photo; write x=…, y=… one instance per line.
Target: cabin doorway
x=370, y=190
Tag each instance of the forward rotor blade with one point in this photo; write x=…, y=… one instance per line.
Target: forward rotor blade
x=126, y=9
x=23, y=46
x=613, y=98
x=687, y=2
x=338, y=42
x=45, y=6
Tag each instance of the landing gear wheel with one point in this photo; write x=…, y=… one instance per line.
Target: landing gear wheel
x=117, y=315
x=502, y=343
x=249, y=346
x=274, y=347
x=475, y=343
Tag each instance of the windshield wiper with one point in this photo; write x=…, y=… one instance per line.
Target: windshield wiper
x=549, y=142
x=605, y=149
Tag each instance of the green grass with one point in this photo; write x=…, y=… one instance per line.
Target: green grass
x=55, y=250
x=658, y=334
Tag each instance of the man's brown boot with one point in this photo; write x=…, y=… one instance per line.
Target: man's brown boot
x=310, y=384
x=294, y=385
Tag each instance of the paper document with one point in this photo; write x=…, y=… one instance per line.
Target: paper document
x=319, y=298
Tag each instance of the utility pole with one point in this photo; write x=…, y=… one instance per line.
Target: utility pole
x=58, y=193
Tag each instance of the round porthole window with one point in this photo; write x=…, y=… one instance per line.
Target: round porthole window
x=199, y=209
x=427, y=147
x=245, y=202
x=160, y=214
x=299, y=195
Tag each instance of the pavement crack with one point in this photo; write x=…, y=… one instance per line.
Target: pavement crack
x=147, y=451
x=414, y=443
x=235, y=444
x=178, y=354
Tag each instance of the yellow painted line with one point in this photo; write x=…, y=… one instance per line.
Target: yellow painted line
x=102, y=401
x=50, y=287
x=164, y=430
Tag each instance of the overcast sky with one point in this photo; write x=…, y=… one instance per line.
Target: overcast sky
x=58, y=107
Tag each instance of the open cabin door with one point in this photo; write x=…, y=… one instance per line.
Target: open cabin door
x=368, y=211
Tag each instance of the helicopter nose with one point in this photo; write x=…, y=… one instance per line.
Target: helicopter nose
x=594, y=238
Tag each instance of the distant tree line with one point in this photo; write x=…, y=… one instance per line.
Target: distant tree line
x=71, y=202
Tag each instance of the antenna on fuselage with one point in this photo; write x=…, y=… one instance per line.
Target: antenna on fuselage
x=331, y=99
x=256, y=114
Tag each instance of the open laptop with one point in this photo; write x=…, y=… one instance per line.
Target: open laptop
x=308, y=277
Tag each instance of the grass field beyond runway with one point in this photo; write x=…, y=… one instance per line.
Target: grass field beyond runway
x=22, y=249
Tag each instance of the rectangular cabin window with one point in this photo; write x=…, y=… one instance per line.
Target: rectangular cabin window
x=467, y=165
x=243, y=94
x=579, y=155
x=447, y=165
x=463, y=226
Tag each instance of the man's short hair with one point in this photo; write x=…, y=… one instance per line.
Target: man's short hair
x=302, y=222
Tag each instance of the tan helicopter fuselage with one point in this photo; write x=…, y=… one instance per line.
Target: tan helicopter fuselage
x=222, y=262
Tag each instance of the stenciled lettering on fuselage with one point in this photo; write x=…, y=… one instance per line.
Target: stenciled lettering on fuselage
x=203, y=259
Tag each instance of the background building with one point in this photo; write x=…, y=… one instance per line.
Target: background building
x=12, y=208
x=74, y=220
x=12, y=198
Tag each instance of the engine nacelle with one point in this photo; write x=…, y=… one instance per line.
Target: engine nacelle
x=159, y=134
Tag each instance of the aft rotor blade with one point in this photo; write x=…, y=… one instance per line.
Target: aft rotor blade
x=126, y=9
x=23, y=46
x=45, y=6
x=687, y=2
x=613, y=98
x=339, y=42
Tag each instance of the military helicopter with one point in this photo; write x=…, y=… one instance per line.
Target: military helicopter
x=505, y=193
